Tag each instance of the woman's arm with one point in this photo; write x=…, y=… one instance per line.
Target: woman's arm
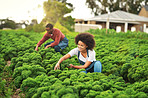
x=36, y=49
x=60, y=61
x=87, y=64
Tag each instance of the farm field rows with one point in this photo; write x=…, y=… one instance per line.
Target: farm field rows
x=124, y=58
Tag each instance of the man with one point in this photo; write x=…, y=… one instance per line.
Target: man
x=60, y=41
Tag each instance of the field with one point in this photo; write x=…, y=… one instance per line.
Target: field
x=124, y=57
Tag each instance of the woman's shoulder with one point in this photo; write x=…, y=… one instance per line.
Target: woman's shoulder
x=75, y=49
x=74, y=52
x=91, y=51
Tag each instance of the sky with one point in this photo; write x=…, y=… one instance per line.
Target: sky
x=19, y=10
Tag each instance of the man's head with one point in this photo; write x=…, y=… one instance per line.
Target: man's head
x=49, y=28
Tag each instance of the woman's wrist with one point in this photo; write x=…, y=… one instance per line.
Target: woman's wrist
x=72, y=66
x=57, y=64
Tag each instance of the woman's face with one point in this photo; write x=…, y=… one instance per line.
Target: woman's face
x=82, y=46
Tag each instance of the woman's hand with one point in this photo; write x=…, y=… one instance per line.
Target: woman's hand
x=60, y=61
x=71, y=66
x=57, y=66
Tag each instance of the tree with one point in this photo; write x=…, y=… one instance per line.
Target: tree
x=67, y=22
x=7, y=23
x=38, y=28
x=104, y=6
x=55, y=11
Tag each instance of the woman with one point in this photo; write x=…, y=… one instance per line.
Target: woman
x=85, y=54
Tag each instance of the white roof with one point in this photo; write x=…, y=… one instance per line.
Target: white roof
x=120, y=16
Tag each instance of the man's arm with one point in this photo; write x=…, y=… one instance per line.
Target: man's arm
x=41, y=41
x=56, y=42
x=48, y=46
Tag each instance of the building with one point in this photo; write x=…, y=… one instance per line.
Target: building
x=118, y=20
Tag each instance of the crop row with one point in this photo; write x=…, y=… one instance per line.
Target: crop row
x=124, y=61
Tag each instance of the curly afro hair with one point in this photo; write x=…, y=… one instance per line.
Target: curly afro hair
x=86, y=38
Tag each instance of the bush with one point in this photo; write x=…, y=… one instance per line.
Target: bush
x=61, y=28
x=38, y=28
x=29, y=28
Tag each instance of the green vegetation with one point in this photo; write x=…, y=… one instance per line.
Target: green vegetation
x=130, y=6
x=124, y=57
x=7, y=23
x=55, y=11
